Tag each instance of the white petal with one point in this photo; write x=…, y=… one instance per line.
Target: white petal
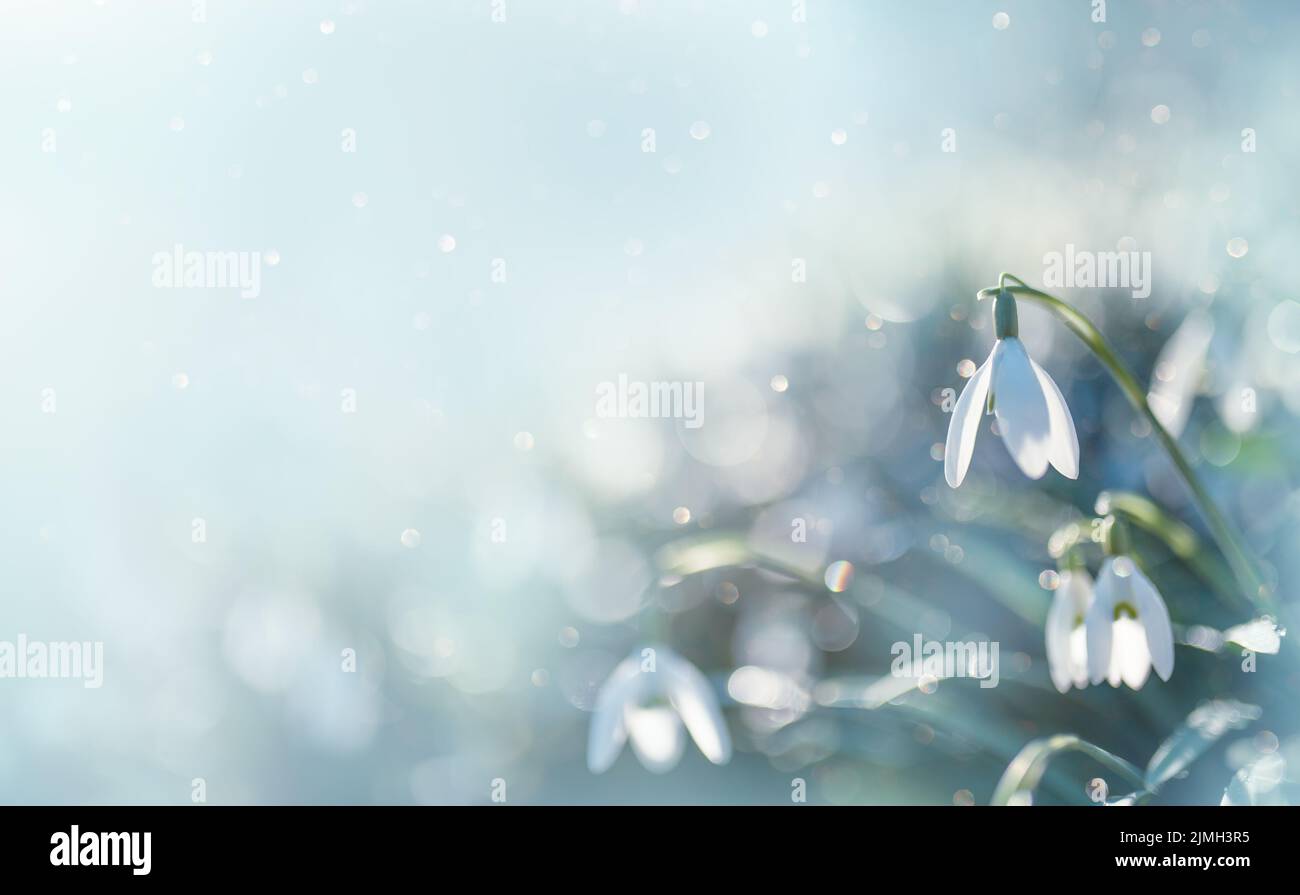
x=1060, y=618
x=1063, y=449
x=696, y=702
x=1079, y=656
x=1100, y=622
x=1130, y=659
x=1154, y=616
x=1020, y=407
x=965, y=424
x=656, y=735
x=1078, y=585
x=1178, y=370
x=607, y=734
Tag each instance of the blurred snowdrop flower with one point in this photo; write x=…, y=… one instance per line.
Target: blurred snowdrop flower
x=1179, y=370
x=647, y=699
x=1032, y=416
x=1067, y=641
x=1260, y=635
x=1128, y=627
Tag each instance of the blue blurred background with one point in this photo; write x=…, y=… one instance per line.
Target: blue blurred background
x=352, y=437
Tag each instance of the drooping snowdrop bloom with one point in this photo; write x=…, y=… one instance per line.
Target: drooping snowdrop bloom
x=1067, y=640
x=1032, y=416
x=1128, y=625
x=1179, y=370
x=1182, y=372
x=647, y=699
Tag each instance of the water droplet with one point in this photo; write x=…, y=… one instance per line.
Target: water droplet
x=360, y=200
x=410, y=538
x=180, y=381
x=1160, y=114
x=681, y=515
x=838, y=576
x=779, y=383
x=569, y=637
x=327, y=27
x=700, y=130
x=1001, y=21
x=1284, y=326
x=524, y=441
x=1150, y=37
x=446, y=243
x=758, y=29
x=1238, y=247
x=839, y=136
x=966, y=368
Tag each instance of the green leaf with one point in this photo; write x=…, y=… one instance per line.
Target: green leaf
x=1202, y=729
x=693, y=555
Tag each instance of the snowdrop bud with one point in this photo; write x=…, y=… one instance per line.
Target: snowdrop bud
x=1006, y=323
x=1116, y=541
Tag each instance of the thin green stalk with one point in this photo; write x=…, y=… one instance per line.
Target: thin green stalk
x=1027, y=769
x=1181, y=540
x=1244, y=566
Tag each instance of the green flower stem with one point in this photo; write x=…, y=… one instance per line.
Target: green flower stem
x=1244, y=566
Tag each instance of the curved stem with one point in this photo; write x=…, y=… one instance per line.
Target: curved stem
x=1181, y=540
x=1026, y=770
x=1243, y=564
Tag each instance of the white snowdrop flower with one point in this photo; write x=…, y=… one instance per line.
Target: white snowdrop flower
x=1128, y=624
x=1032, y=416
x=1179, y=369
x=1067, y=641
x=647, y=700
